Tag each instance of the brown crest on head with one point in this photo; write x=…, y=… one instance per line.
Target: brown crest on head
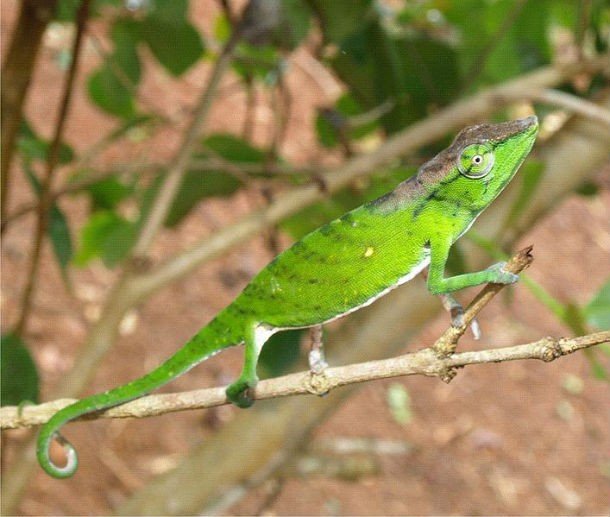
x=437, y=168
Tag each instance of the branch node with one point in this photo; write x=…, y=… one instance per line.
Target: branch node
x=551, y=350
x=318, y=384
x=447, y=374
x=447, y=343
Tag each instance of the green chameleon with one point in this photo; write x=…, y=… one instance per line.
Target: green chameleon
x=343, y=266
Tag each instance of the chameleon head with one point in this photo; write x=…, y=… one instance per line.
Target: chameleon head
x=480, y=162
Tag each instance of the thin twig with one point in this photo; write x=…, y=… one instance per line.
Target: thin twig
x=571, y=103
x=423, y=362
x=582, y=23
x=250, y=108
x=173, y=179
x=17, y=66
x=52, y=160
x=446, y=344
x=373, y=115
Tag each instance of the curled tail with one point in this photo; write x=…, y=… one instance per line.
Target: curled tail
x=207, y=342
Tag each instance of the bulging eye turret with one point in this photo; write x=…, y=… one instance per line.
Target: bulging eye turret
x=476, y=161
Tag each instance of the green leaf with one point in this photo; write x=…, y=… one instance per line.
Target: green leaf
x=295, y=24
x=173, y=12
x=59, y=232
x=109, y=93
x=19, y=377
x=234, y=149
x=456, y=262
x=597, y=311
x=413, y=72
x=588, y=189
x=280, y=352
x=106, y=235
x=340, y=18
x=326, y=132
x=112, y=84
x=58, y=229
x=177, y=47
x=108, y=193
x=35, y=148
x=118, y=243
x=501, y=39
x=125, y=35
x=222, y=28
x=198, y=185
x=66, y=9
x=171, y=38
x=259, y=62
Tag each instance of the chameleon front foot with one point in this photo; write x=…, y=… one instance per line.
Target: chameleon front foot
x=240, y=393
x=500, y=275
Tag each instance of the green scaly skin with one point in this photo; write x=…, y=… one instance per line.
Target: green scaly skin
x=344, y=265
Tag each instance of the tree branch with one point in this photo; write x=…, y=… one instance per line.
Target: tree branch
x=46, y=199
x=173, y=179
x=423, y=362
x=34, y=17
x=436, y=361
x=571, y=103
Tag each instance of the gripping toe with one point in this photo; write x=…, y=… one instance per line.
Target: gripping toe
x=239, y=393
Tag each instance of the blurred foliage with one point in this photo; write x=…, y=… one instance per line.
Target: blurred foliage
x=19, y=377
x=597, y=311
x=398, y=62
x=33, y=150
x=399, y=403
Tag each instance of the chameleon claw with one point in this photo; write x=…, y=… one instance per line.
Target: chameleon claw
x=456, y=311
x=457, y=320
x=457, y=316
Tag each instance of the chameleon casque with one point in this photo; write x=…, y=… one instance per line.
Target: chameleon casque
x=343, y=266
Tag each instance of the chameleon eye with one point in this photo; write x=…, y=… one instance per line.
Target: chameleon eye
x=476, y=161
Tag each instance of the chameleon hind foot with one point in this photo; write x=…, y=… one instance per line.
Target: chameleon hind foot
x=456, y=311
x=240, y=393
x=317, y=361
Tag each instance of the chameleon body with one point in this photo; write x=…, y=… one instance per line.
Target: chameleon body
x=344, y=265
